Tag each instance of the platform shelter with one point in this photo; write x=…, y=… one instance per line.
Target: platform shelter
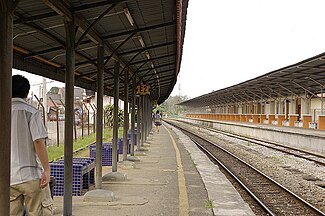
x=289, y=96
x=114, y=47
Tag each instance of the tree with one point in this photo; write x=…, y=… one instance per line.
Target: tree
x=54, y=90
x=169, y=106
x=108, y=115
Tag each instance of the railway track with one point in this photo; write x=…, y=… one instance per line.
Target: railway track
x=274, y=198
x=316, y=158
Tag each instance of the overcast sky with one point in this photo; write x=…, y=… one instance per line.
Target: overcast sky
x=231, y=41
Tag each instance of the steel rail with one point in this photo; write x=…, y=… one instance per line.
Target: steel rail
x=263, y=205
x=307, y=155
x=236, y=178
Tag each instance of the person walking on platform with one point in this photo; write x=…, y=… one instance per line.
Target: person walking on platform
x=30, y=169
x=157, y=120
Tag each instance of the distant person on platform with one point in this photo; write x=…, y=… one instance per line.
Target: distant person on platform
x=30, y=169
x=157, y=120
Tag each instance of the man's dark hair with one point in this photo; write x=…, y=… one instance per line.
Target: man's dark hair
x=20, y=86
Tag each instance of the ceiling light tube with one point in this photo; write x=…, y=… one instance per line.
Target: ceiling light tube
x=141, y=41
x=128, y=16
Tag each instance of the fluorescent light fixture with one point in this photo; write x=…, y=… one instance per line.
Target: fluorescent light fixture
x=141, y=41
x=148, y=55
x=128, y=16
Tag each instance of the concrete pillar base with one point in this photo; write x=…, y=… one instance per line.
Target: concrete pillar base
x=139, y=153
x=143, y=149
x=99, y=195
x=146, y=144
x=126, y=164
x=133, y=158
x=114, y=176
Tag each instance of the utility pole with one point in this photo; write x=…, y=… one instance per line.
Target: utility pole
x=179, y=89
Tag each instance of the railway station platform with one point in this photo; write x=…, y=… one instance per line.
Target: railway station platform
x=174, y=178
x=310, y=140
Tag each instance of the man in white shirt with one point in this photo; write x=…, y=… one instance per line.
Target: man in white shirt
x=30, y=169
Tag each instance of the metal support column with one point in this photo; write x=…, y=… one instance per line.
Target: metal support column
x=99, y=127
x=115, y=116
x=133, y=98
x=69, y=116
x=142, y=120
x=148, y=115
x=138, y=122
x=6, y=23
x=322, y=102
x=126, y=114
x=140, y=108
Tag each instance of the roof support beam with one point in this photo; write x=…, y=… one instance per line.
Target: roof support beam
x=148, y=48
x=76, y=9
x=97, y=4
x=160, y=72
x=138, y=30
x=237, y=100
x=287, y=89
x=269, y=96
x=83, y=24
x=34, y=18
x=315, y=81
x=60, y=8
x=90, y=41
x=241, y=98
x=94, y=23
x=111, y=68
x=278, y=93
x=139, y=69
x=32, y=54
x=159, y=66
x=62, y=43
x=256, y=95
x=307, y=90
x=118, y=47
x=15, y=4
x=153, y=59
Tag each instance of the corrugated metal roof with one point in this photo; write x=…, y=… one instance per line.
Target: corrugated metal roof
x=152, y=28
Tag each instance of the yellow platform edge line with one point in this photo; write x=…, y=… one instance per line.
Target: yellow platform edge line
x=183, y=198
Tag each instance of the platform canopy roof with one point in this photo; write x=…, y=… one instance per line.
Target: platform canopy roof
x=305, y=78
x=145, y=36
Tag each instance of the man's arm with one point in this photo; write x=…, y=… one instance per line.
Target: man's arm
x=41, y=151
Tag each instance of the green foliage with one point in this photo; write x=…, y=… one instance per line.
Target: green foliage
x=54, y=90
x=170, y=106
x=108, y=115
x=55, y=152
x=209, y=204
